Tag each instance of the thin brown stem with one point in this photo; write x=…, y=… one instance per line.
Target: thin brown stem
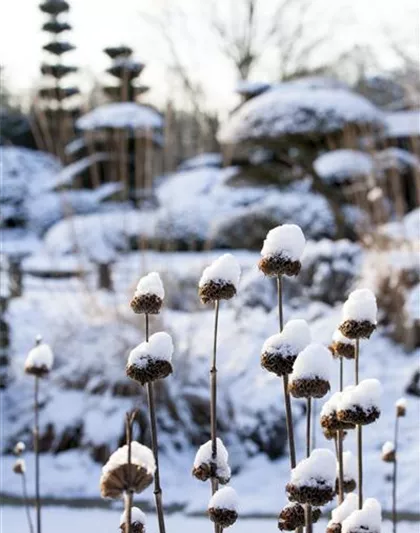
x=287, y=403
x=359, y=434
x=340, y=444
x=36, y=450
x=155, y=448
x=308, y=508
x=394, y=477
x=26, y=503
x=213, y=402
x=128, y=496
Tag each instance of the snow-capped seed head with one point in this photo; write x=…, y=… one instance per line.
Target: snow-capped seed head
x=388, y=452
x=19, y=448
x=311, y=372
x=149, y=294
x=39, y=360
x=220, y=280
x=292, y=516
x=313, y=479
x=38, y=339
x=223, y=507
x=361, y=404
x=339, y=337
x=359, y=316
x=19, y=467
x=151, y=360
x=282, y=250
x=205, y=467
x=366, y=519
x=340, y=513
x=341, y=346
x=401, y=406
x=287, y=240
x=138, y=521
x=279, y=351
x=117, y=475
x=328, y=416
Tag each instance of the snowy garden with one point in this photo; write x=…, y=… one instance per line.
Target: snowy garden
x=209, y=325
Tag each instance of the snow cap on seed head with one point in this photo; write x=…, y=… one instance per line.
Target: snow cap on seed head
x=312, y=362
x=19, y=467
x=401, y=406
x=225, y=498
x=345, y=509
x=40, y=357
x=19, y=448
x=150, y=284
x=321, y=464
x=368, y=518
x=361, y=305
x=339, y=337
x=287, y=240
x=296, y=334
x=388, y=447
x=159, y=347
x=226, y=268
x=365, y=395
x=137, y=516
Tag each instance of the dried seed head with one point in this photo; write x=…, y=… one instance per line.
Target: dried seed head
x=39, y=360
x=292, y=516
x=357, y=329
x=388, y=452
x=149, y=304
x=358, y=415
x=216, y=290
x=332, y=424
x=317, y=496
x=341, y=349
x=277, y=364
x=151, y=360
x=277, y=265
x=332, y=527
x=309, y=388
x=19, y=467
x=220, y=280
x=152, y=371
x=118, y=476
x=19, y=448
x=205, y=467
x=223, y=507
x=401, y=406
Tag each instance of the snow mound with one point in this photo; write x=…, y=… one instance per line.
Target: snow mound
x=288, y=111
x=140, y=455
x=202, y=160
x=361, y=305
x=121, y=115
x=160, y=347
x=225, y=498
x=403, y=123
x=345, y=509
x=343, y=165
x=204, y=456
x=225, y=268
x=368, y=518
x=295, y=336
x=287, y=240
x=137, y=516
x=388, y=447
x=365, y=395
x=150, y=284
x=320, y=465
x=396, y=159
x=40, y=356
x=313, y=362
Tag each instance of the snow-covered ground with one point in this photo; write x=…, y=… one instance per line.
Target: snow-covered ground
x=66, y=520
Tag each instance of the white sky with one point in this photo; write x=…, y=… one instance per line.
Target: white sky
x=100, y=23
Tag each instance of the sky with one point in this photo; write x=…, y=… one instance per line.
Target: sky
x=100, y=23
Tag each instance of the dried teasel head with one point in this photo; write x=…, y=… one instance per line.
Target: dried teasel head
x=282, y=251
x=220, y=280
x=223, y=507
x=118, y=476
x=149, y=295
x=151, y=360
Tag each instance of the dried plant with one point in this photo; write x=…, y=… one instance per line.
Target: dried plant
x=19, y=468
x=38, y=364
